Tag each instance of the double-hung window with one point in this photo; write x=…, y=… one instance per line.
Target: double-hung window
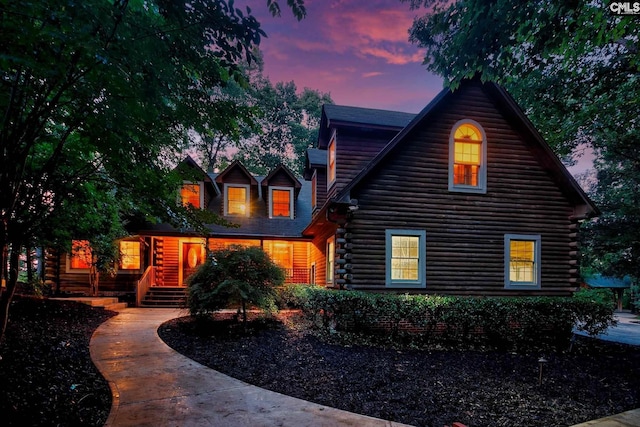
x=522, y=261
x=81, y=256
x=236, y=199
x=191, y=194
x=331, y=161
x=129, y=255
x=330, y=257
x=405, y=258
x=281, y=202
x=467, y=158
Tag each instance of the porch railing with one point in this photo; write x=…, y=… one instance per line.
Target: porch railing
x=145, y=282
x=297, y=275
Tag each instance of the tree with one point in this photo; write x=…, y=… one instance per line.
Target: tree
x=104, y=92
x=235, y=275
x=574, y=68
x=287, y=124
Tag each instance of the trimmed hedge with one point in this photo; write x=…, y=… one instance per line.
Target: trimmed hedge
x=521, y=323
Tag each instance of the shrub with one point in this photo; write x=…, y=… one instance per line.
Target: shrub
x=499, y=322
x=235, y=275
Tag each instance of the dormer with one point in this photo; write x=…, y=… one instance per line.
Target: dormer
x=351, y=137
x=315, y=170
x=197, y=187
x=280, y=191
x=238, y=188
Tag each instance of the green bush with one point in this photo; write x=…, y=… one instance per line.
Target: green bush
x=499, y=322
x=233, y=276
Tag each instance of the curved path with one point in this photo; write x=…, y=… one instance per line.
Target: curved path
x=153, y=385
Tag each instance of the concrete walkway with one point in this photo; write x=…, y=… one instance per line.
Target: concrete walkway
x=626, y=332
x=153, y=385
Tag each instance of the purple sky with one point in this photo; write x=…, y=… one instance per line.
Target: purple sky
x=356, y=50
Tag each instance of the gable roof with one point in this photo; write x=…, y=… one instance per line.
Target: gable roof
x=188, y=163
x=285, y=170
x=371, y=118
x=235, y=165
x=517, y=117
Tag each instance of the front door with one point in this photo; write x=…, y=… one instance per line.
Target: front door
x=192, y=255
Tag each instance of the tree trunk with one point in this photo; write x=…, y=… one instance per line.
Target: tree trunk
x=7, y=295
x=29, y=261
x=244, y=313
x=94, y=280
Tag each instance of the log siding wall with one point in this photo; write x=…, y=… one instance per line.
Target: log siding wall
x=354, y=150
x=465, y=232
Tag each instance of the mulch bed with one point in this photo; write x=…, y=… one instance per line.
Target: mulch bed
x=422, y=387
x=47, y=377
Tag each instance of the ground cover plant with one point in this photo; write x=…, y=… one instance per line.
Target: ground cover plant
x=422, y=387
x=47, y=377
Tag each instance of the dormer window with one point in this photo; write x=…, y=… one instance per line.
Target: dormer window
x=192, y=194
x=331, y=161
x=467, y=158
x=236, y=200
x=281, y=202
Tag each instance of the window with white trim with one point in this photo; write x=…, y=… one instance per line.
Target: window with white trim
x=314, y=189
x=467, y=158
x=192, y=193
x=405, y=258
x=522, y=261
x=81, y=255
x=280, y=202
x=236, y=199
x=331, y=161
x=129, y=255
x=330, y=257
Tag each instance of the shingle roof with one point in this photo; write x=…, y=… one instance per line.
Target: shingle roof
x=317, y=157
x=259, y=223
x=370, y=116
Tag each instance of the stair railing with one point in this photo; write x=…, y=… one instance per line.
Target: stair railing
x=146, y=281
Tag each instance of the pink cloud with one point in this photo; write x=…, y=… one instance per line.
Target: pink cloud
x=372, y=74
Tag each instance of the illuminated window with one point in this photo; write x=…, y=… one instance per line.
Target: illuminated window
x=331, y=152
x=406, y=258
x=129, y=255
x=191, y=194
x=467, y=148
x=522, y=261
x=280, y=253
x=314, y=189
x=281, y=202
x=236, y=200
x=330, y=257
x=81, y=256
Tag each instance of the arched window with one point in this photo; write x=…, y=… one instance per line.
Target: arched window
x=467, y=158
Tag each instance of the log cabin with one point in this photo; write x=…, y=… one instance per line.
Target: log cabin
x=463, y=198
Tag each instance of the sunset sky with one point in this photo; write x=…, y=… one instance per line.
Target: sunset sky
x=356, y=50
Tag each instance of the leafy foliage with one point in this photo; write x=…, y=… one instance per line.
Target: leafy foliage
x=275, y=124
x=506, y=323
x=232, y=276
x=96, y=100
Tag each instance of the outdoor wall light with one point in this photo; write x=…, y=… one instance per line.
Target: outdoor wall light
x=541, y=363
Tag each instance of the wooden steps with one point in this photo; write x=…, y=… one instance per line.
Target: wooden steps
x=165, y=297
